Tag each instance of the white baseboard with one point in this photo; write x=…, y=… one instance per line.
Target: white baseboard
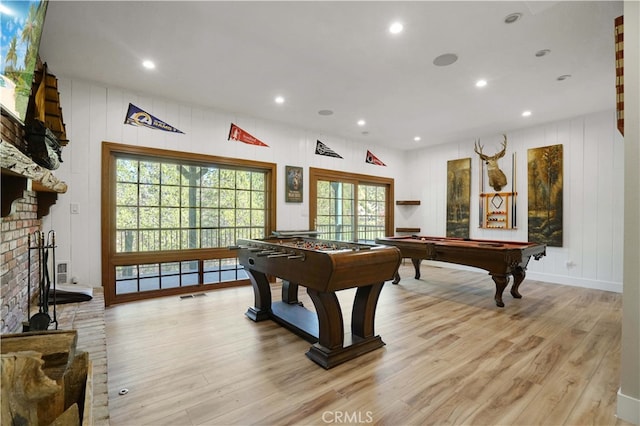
x=628, y=408
x=547, y=278
x=575, y=282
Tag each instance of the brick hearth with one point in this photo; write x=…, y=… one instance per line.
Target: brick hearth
x=88, y=319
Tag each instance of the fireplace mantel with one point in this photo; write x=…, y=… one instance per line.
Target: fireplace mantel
x=17, y=171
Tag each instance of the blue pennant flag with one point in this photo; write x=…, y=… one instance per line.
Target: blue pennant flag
x=138, y=117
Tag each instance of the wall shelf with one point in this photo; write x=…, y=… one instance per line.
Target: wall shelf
x=409, y=230
x=408, y=203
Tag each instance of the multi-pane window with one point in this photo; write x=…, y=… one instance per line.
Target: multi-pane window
x=171, y=219
x=371, y=212
x=171, y=206
x=162, y=276
x=335, y=207
x=350, y=207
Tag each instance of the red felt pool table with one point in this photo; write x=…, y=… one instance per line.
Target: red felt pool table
x=500, y=258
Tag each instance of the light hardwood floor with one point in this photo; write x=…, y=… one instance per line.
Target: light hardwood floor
x=451, y=357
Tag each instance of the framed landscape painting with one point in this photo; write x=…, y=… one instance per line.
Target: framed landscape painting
x=545, y=191
x=458, y=197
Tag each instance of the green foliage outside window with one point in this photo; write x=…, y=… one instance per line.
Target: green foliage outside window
x=170, y=206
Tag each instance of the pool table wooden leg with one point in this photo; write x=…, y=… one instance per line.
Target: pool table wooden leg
x=416, y=265
x=518, y=276
x=501, y=283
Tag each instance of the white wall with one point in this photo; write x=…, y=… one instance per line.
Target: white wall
x=628, y=407
x=94, y=114
x=591, y=255
x=593, y=177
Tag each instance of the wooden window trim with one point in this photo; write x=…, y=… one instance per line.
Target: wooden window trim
x=316, y=174
x=111, y=259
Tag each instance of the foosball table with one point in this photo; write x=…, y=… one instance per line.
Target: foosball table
x=323, y=267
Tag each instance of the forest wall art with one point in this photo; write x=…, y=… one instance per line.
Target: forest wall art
x=545, y=188
x=458, y=197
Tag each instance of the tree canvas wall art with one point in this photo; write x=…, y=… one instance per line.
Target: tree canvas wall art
x=545, y=191
x=458, y=197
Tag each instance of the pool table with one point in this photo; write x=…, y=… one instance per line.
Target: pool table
x=500, y=258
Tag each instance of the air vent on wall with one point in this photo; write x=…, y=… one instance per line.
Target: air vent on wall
x=62, y=273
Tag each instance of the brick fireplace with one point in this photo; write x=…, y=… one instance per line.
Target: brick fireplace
x=28, y=192
x=14, y=252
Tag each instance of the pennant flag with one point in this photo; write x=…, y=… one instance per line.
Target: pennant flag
x=138, y=117
x=372, y=159
x=322, y=149
x=237, y=134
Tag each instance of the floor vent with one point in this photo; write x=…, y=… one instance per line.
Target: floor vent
x=191, y=296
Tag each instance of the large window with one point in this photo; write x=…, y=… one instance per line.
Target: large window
x=164, y=205
x=171, y=217
x=350, y=207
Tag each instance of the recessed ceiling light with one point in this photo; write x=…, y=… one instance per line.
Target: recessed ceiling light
x=361, y=122
x=148, y=64
x=543, y=52
x=365, y=133
x=563, y=77
x=279, y=100
x=526, y=113
x=325, y=112
x=510, y=19
x=446, y=59
x=481, y=83
x=396, y=28
x=417, y=138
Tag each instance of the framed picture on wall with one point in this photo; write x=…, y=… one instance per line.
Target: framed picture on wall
x=458, y=197
x=294, y=182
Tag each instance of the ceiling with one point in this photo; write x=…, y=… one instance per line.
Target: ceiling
x=340, y=56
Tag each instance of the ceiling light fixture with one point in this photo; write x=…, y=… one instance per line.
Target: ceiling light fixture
x=396, y=28
x=513, y=17
x=361, y=122
x=481, y=83
x=325, y=112
x=526, y=113
x=543, y=52
x=417, y=138
x=148, y=64
x=279, y=100
x=563, y=77
x=445, y=59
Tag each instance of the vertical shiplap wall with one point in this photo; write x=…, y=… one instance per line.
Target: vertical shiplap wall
x=591, y=255
x=94, y=113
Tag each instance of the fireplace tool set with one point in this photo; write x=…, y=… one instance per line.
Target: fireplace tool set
x=45, y=248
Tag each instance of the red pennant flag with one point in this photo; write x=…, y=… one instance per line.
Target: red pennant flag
x=237, y=134
x=372, y=159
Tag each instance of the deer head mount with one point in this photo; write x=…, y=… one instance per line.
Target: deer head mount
x=497, y=179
